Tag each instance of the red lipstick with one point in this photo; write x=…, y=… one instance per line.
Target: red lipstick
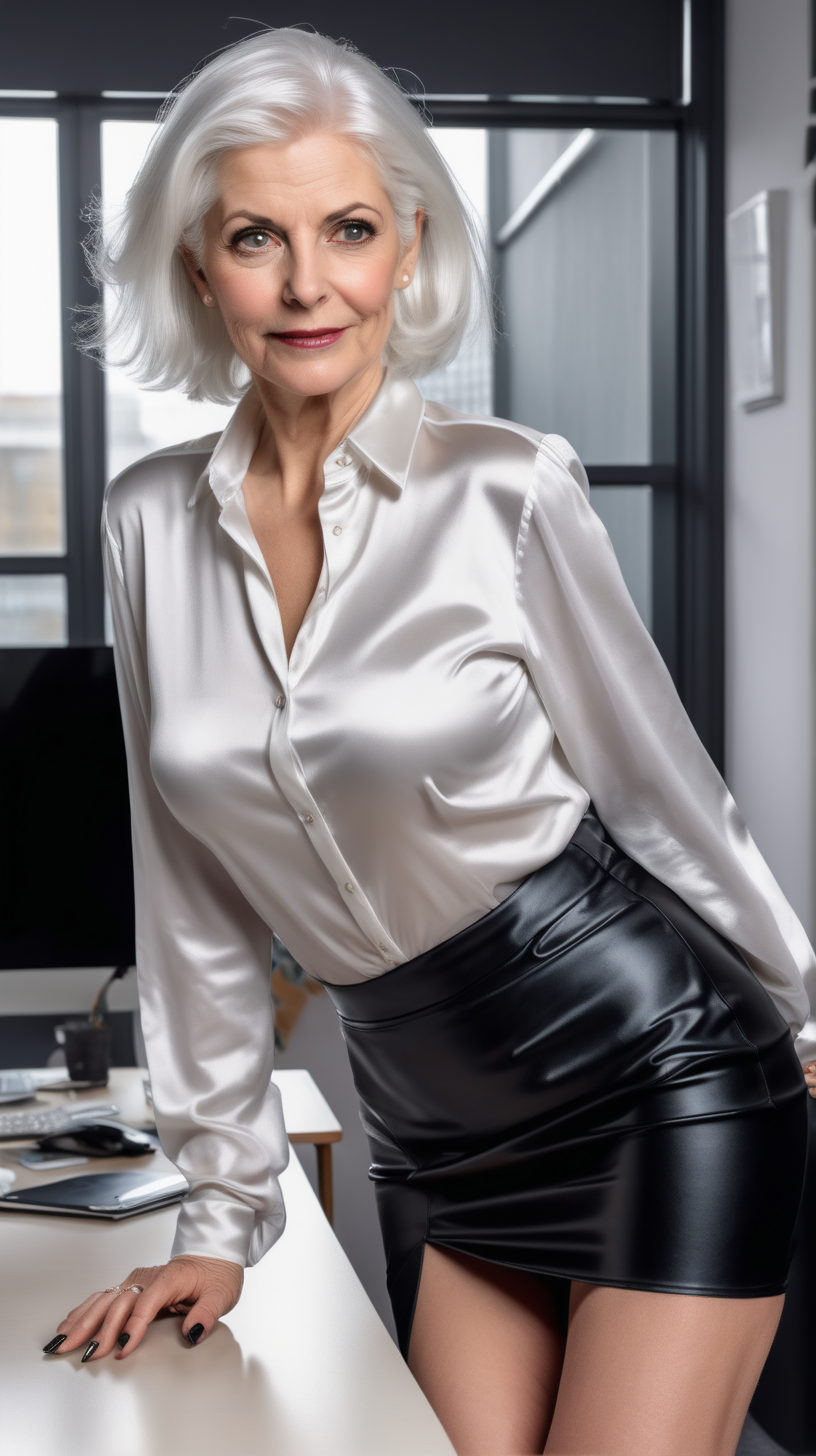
x=309, y=338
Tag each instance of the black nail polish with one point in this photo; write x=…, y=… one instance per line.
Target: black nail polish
x=53, y=1345
x=94, y=1345
x=122, y=1341
x=194, y=1335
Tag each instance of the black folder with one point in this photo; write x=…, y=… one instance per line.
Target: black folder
x=101, y=1195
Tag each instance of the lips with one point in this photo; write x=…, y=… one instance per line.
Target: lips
x=309, y=338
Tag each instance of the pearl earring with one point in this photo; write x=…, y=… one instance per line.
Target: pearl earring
x=208, y=299
x=405, y=278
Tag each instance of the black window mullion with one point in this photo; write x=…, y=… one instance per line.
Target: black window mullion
x=701, y=624
x=83, y=380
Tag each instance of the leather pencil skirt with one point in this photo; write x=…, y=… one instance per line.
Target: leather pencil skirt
x=589, y=1083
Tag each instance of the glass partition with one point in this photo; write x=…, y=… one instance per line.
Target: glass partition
x=583, y=234
x=33, y=611
x=626, y=511
x=32, y=507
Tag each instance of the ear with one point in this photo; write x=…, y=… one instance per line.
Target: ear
x=197, y=276
x=408, y=262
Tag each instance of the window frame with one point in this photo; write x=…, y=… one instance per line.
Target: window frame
x=688, y=506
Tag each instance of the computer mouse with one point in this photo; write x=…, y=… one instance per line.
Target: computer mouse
x=100, y=1140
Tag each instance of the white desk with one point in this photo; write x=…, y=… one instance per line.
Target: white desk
x=302, y=1367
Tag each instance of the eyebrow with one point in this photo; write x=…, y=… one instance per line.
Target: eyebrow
x=257, y=220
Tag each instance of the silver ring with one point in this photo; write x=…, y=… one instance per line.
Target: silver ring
x=124, y=1289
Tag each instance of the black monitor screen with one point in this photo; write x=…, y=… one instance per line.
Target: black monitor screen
x=66, y=870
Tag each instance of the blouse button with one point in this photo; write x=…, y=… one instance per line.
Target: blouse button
x=343, y=460
x=337, y=530
x=280, y=701
x=349, y=887
x=308, y=819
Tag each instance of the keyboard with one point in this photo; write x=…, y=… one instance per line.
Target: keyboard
x=51, y=1120
x=16, y=1086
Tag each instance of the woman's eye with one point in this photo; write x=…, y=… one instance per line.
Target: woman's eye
x=355, y=232
x=254, y=241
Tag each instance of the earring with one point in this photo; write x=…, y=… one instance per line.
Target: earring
x=405, y=278
x=208, y=299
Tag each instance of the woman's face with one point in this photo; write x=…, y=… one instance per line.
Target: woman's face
x=302, y=257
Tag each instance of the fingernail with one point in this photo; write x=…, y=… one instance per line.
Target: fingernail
x=53, y=1345
x=122, y=1341
x=194, y=1335
x=94, y=1345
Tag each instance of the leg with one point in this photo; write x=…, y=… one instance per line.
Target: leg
x=486, y=1348
x=658, y=1374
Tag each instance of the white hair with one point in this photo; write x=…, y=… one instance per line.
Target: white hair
x=274, y=87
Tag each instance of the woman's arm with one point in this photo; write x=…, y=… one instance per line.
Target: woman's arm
x=204, y=965
x=629, y=740
x=204, y=960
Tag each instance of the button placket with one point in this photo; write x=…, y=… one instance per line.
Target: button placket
x=335, y=507
x=291, y=780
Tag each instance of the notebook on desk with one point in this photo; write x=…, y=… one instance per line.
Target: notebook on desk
x=100, y=1195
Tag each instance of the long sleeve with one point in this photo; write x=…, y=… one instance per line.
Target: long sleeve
x=629, y=741
x=204, y=963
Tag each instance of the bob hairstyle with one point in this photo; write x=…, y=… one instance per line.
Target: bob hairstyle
x=275, y=87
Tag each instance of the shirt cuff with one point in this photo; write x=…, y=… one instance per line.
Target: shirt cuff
x=805, y=1042
x=217, y=1228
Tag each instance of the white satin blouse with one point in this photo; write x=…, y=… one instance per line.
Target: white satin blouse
x=469, y=672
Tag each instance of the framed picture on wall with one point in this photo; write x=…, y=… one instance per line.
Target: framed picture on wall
x=756, y=299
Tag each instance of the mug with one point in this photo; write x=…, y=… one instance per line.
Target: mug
x=87, y=1050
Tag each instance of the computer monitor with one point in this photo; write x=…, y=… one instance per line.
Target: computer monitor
x=66, y=868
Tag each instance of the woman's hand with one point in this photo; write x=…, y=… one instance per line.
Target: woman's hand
x=202, y=1289
x=810, y=1077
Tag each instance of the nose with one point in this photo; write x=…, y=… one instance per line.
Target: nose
x=305, y=283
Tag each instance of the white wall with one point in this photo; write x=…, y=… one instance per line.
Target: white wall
x=769, y=510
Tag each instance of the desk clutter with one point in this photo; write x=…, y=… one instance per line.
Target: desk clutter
x=49, y=1131
x=64, y=1126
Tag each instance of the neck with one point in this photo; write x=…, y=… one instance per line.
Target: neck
x=300, y=432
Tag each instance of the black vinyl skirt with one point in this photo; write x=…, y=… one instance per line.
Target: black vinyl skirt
x=589, y=1083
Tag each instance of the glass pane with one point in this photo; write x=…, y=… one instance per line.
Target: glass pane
x=626, y=511
x=33, y=611
x=467, y=382
x=587, y=285
x=139, y=420
x=31, y=483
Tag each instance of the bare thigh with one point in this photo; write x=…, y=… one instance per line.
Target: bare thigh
x=649, y=1374
x=487, y=1349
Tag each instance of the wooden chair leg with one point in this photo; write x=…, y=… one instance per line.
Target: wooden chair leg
x=325, y=1183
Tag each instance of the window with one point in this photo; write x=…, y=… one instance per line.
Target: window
x=581, y=226
x=601, y=218
x=33, y=607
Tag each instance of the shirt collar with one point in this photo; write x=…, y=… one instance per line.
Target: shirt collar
x=387, y=433
x=385, y=437
x=230, y=460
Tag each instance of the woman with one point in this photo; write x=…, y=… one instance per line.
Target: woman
x=375, y=658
